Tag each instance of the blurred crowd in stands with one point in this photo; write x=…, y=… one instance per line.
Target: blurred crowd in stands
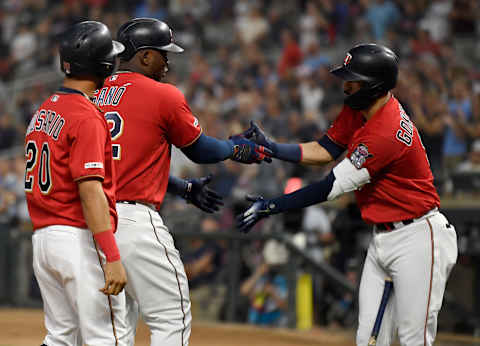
x=266, y=61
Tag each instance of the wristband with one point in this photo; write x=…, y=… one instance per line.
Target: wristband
x=107, y=243
x=177, y=186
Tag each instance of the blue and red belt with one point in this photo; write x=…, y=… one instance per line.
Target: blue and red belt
x=389, y=226
x=150, y=205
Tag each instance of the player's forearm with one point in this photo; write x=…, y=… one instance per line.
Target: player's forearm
x=315, y=154
x=95, y=206
x=97, y=217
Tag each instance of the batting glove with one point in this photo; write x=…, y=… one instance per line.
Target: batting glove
x=246, y=151
x=201, y=196
x=256, y=134
x=260, y=209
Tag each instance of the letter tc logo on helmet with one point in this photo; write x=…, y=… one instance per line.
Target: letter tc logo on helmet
x=347, y=59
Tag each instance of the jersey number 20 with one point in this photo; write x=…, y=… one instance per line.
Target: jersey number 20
x=44, y=173
x=115, y=121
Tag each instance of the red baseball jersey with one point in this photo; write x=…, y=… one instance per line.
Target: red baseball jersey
x=145, y=117
x=67, y=141
x=389, y=146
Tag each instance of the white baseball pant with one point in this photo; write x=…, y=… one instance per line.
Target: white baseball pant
x=157, y=284
x=67, y=267
x=419, y=258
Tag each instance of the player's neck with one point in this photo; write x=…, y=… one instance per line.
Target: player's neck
x=379, y=103
x=129, y=66
x=86, y=86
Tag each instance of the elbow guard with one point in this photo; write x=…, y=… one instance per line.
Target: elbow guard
x=347, y=178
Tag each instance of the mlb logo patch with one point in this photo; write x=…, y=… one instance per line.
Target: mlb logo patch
x=360, y=155
x=54, y=98
x=93, y=165
x=113, y=78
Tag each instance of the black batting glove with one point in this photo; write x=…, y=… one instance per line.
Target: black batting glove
x=260, y=209
x=246, y=151
x=257, y=135
x=201, y=196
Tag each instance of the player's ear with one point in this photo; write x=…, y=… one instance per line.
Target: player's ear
x=145, y=57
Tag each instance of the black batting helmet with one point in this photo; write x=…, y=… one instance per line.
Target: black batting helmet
x=373, y=64
x=146, y=33
x=87, y=48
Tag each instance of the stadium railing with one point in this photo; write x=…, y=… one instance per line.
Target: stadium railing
x=466, y=220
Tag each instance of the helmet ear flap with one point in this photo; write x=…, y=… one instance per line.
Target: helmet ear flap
x=367, y=95
x=102, y=70
x=377, y=88
x=105, y=69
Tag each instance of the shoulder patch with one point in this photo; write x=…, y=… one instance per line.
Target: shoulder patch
x=360, y=155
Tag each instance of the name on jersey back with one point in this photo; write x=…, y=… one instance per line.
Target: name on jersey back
x=109, y=96
x=48, y=122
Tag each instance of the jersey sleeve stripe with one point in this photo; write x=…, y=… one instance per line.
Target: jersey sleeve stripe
x=193, y=141
x=84, y=177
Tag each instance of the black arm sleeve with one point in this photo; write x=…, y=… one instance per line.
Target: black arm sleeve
x=333, y=148
x=305, y=197
x=287, y=152
x=209, y=150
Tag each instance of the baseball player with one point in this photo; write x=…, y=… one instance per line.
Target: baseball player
x=387, y=167
x=70, y=190
x=146, y=117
